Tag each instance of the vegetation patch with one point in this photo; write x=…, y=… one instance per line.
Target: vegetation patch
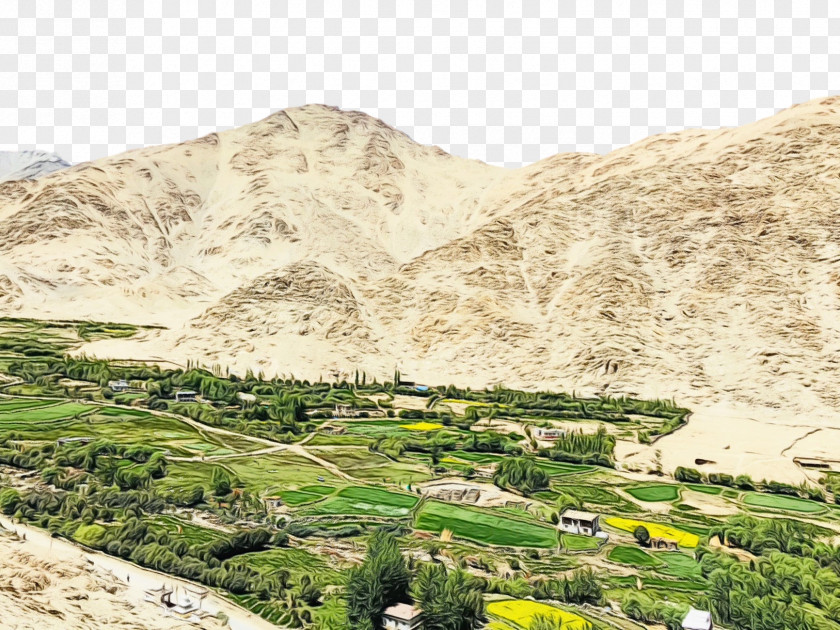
x=780, y=502
x=366, y=501
x=522, y=612
x=422, y=426
x=579, y=542
x=656, y=530
x=698, y=487
x=482, y=526
x=655, y=493
x=633, y=556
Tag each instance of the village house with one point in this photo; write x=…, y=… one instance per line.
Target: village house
x=578, y=522
x=185, y=395
x=401, y=617
x=697, y=620
x=118, y=386
x=273, y=503
x=542, y=433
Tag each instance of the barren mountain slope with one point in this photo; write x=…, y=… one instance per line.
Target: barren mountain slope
x=702, y=264
x=160, y=232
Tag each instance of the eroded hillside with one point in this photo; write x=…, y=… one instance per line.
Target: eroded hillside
x=703, y=264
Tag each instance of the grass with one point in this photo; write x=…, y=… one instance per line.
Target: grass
x=483, y=526
x=704, y=489
x=578, y=542
x=679, y=565
x=521, y=612
x=13, y=404
x=366, y=466
x=656, y=530
x=44, y=413
x=633, y=556
x=185, y=530
x=365, y=501
x=655, y=493
x=780, y=502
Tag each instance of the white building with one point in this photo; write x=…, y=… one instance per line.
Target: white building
x=577, y=522
x=401, y=617
x=185, y=395
x=697, y=620
x=542, y=433
x=118, y=386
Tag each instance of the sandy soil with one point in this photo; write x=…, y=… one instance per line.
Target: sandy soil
x=50, y=584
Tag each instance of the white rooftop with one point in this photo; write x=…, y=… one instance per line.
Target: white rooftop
x=579, y=515
x=403, y=612
x=697, y=620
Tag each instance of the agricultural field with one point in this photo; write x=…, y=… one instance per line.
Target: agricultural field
x=483, y=526
x=633, y=556
x=262, y=498
x=658, y=530
x=780, y=502
x=655, y=493
x=521, y=612
x=365, y=501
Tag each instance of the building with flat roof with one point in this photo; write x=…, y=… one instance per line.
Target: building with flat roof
x=118, y=386
x=541, y=433
x=185, y=395
x=697, y=620
x=578, y=522
x=401, y=617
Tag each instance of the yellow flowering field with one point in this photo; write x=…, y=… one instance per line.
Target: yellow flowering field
x=522, y=611
x=656, y=530
x=422, y=426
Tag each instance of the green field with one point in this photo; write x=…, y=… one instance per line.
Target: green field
x=579, y=542
x=697, y=487
x=366, y=466
x=42, y=414
x=679, y=565
x=633, y=556
x=655, y=493
x=365, y=501
x=13, y=404
x=483, y=526
x=780, y=502
x=307, y=494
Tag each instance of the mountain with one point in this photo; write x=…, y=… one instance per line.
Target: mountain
x=28, y=164
x=702, y=265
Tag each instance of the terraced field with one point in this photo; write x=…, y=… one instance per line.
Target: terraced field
x=365, y=501
x=483, y=526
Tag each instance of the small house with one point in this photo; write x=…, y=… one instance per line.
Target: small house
x=542, y=433
x=118, y=386
x=402, y=617
x=185, y=395
x=578, y=522
x=697, y=620
x=273, y=503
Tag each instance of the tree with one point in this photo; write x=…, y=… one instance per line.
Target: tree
x=642, y=535
x=381, y=581
x=521, y=473
x=449, y=600
x=222, y=482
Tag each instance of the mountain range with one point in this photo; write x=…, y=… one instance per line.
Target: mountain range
x=702, y=265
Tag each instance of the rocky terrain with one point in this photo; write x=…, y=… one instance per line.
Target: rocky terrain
x=702, y=265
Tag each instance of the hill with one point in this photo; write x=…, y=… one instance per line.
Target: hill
x=701, y=264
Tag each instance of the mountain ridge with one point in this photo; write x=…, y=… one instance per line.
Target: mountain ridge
x=701, y=265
